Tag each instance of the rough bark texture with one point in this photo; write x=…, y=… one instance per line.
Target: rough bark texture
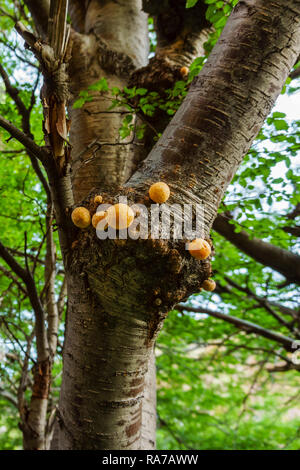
x=105, y=362
x=40, y=14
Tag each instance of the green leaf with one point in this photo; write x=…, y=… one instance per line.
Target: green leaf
x=115, y=90
x=276, y=115
x=79, y=103
x=124, y=132
x=100, y=85
x=127, y=120
x=277, y=180
x=190, y=3
x=141, y=91
x=281, y=125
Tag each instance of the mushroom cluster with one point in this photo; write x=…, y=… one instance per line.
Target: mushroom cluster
x=120, y=216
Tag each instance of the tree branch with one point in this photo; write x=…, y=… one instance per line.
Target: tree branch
x=10, y=275
x=295, y=212
x=13, y=92
x=25, y=275
x=283, y=367
x=9, y=397
x=282, y=308
x=244, y=325
x=282, y=261
x=77, y=12
x=62, y=297
x=51, y=305
x=181, y=32
x=24, y=378
x=28, y=143
x=262, y=302
x=295, y=231
x=40, y=13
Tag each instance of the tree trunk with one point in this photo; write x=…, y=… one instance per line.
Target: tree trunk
x=34, y=420
x=106, y=356
x=115, y=310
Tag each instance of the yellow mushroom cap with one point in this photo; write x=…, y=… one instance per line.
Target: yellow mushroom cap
x=120, y=216
x=199, y=248
x=98, y=199
x=98, y=217
x=184, y=71
x=209, y=285
x=81, y=217
x=159, y=192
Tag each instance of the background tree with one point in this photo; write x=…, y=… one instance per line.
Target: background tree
x=119, y=294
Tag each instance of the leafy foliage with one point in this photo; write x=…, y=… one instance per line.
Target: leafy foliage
x=214, y=391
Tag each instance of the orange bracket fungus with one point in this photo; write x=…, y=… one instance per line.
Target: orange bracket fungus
x=98, y=217
x=199, y=248
x=159, y=192
x=209, y=285
x=81, y=217
x=120, y=216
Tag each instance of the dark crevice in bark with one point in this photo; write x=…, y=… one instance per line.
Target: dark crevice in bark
x=178, y=29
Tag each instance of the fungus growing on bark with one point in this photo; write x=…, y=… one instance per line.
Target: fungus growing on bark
x=98, y=217
x=159, y=192
x=209, y=285
x=98, y=199
x=119, y=216
x=81, y=217
x=199, y=248
x=184, y=71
